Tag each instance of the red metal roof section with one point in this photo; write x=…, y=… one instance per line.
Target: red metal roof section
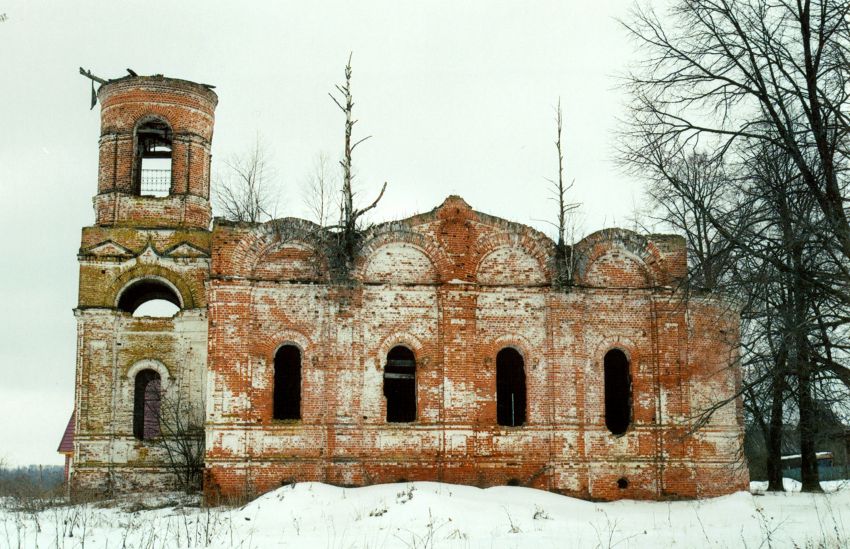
x=66, y=446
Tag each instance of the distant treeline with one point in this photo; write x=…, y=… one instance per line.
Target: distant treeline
x=30, y=479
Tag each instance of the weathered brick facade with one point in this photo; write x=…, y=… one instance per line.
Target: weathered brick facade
x=453, y=286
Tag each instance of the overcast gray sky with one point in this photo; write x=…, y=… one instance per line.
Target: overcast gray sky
x=458, y=97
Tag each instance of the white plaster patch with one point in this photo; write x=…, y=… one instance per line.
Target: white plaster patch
x=459, y=394
x=510, y=266
x=399, y=263
x=510, y=443
x=457, y=443
x=400, y=441
x=232, y=442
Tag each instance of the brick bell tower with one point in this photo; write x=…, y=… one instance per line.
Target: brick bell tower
x=155, y=153
x=142, y=312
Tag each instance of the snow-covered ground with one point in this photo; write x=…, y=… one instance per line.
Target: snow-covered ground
x=430, y=514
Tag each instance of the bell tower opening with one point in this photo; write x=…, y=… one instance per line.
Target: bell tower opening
x=152, y=158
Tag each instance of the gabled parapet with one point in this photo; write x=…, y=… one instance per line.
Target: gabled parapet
x=450, y=244
x=620, y=258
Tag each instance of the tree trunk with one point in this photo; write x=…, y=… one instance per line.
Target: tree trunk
x=809, y=473
x=774, y=440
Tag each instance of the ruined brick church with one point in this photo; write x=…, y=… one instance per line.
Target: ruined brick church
x=450, y=353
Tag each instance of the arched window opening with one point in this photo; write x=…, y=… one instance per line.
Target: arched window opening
x=149, y=297
x=510, y=388
x=400, y=385
x=618, y=392
x=153, y=158
x=287, y=383
x=156, y=308
x=146, y=405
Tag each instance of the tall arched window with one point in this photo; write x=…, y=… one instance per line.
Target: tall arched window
x=146, y=405
x=400, y=385
x=153, y=158
x=618, y=392
x=287, y=383
x=510, y=388
x=149, y=297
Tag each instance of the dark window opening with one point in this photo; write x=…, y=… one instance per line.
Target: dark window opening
x=510, y=388
x=149, y=297
x=618, y=392
x=146, y=405
x=287, y=383
x=153, y=158
x=622, y=483
x=400, y=385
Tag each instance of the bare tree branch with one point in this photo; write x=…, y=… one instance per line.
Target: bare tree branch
x=182, y=438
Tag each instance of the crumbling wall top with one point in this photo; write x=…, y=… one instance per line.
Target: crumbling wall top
x=155, y=83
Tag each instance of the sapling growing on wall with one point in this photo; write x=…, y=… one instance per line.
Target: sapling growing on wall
x=350, y=224
x=559, y=190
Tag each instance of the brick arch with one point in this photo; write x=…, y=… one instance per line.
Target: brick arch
x=150, y=116
x=264, y=347
x=597, y=367
x=278, y=233
x=539, y=249
x=297, y=261
x=246, y=252
x=638, y=249
x=625, y=344
x=404, y=339
x=492, y=346
x=267, y=345
x=428, y=246
x=150, y=364
x=191, y=298
x=263, y=238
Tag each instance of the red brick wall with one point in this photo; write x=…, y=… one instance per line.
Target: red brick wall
x=456, y=286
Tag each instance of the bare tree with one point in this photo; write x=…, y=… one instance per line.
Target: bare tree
x=756, y=233
x=245, y=191
x=337, y=227
x=762, y=85
x=321, y=192
x=682, y=191
x=727, y=74
x=182, y=438
x=350, y=219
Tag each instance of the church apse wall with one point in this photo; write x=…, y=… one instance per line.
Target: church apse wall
x=587, y=390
